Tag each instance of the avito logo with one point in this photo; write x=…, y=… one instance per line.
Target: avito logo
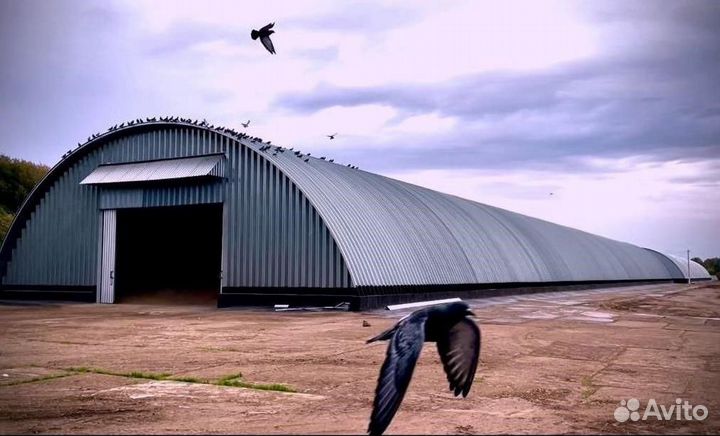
x=679, y=411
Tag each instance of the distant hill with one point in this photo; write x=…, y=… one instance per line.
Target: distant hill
x=17, y=178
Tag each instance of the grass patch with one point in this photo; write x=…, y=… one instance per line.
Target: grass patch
x=588, y=388
x=235, y=380
x=148, y=375
x=230, y=380
x=131, y=374
x=190, y=380
x=39, y=379
x=219, y=349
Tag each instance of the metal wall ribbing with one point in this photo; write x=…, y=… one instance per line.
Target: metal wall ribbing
x=58, y=244
x=272, y=236
x=697, y=271
x=278, y=237
x=397, y=234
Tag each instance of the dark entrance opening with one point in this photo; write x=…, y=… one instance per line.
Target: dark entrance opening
x=168, y=255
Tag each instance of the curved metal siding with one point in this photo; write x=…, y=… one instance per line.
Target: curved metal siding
x=697, y=271
x=272, y=236
x=52, y=249
x=396, y=233
x=290, y=223
x=276, y=238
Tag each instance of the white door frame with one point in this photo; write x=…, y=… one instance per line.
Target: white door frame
x=106, y=267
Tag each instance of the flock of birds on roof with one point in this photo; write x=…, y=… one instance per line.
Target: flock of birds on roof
x=204, y=123
x=264, y=35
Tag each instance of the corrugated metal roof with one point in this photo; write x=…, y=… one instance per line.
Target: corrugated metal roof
x=697, y=271
x=395, y=233
x=388, y=232
x=164, y=169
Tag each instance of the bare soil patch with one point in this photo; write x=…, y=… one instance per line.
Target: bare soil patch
x=550, y=363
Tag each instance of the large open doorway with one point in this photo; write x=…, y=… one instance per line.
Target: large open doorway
x=169, y=255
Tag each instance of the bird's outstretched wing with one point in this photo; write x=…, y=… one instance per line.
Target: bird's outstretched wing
x=400, y=359
x=268, y=27
x=460, y=351
x=267, y=43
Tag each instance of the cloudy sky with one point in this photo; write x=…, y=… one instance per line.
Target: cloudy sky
x=611, y=106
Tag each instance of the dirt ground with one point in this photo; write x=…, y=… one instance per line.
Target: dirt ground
x=550, y=363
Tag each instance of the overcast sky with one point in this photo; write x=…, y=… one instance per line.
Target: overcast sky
x=612, y=106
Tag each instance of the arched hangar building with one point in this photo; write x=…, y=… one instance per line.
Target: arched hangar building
x=177, y=204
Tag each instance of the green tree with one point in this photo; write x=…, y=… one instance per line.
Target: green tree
x=5, y=221
x=17, y=179
x=712, y=264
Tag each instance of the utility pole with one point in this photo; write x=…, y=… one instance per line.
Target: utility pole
x=688, y=268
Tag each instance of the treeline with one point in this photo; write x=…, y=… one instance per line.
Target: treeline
x=712, y=264
x=17, y=178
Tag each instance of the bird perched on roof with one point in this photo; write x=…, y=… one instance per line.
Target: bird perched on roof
x=246, y=124
x=264, y=35
x=332, y=136
x=458, y=343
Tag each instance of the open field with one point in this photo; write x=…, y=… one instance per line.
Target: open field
x=551, y=363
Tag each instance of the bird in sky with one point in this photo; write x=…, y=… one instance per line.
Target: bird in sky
x=458, y=343
x=332, y=136
x=264, y=35
x=246, y=124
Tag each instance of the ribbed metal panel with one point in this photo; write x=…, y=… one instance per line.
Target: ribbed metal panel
x=315, y=224
x=163, y=169
x=156, y=196
x=697, y=271
x=277, y=236
x=395, y=233
x=106, y=287
x=58, y=244
x=272, y=236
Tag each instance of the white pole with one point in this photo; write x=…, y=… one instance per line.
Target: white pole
x=688, y=269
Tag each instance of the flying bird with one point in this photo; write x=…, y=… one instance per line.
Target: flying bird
x=246, y=124
x=264, y=35
x=332, y=136
x=458, y=343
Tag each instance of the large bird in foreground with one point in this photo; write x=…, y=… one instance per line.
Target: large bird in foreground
x=458, y=342
x=264, y=35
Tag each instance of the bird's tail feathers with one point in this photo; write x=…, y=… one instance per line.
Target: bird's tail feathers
x=384, y=336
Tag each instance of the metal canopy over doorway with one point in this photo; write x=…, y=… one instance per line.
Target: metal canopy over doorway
x=161, y=226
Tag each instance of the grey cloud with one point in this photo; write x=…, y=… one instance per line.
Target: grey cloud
x=321, y=55
x=365, y=17
x=660, y=101
x=179, y=38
